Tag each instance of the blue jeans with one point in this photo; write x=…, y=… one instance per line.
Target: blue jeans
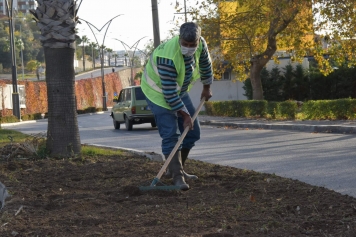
x=170, y=126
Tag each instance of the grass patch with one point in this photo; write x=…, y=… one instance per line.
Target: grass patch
x=97, y=151
x=6, y=135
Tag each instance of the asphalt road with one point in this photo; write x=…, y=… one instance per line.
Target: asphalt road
x=321, y=159
x=85, y=75
x=97, y=73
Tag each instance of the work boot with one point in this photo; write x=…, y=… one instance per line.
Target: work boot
x=184, y=154
x=176, y=169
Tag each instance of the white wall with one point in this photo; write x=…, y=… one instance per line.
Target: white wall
x=228, y=90
x=222, y=90
x=7, y=96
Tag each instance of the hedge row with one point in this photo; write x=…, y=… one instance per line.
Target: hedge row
x=330, y=109
x=313, y=110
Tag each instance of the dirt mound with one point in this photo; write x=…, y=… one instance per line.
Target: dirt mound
x=101, y=197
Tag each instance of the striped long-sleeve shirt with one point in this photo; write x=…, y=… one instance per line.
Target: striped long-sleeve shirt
x=168, y=75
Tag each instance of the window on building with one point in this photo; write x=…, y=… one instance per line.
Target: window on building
x=226, y=75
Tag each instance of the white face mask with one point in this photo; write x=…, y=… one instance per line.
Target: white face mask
x=188, y=51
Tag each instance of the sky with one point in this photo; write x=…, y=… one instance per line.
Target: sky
x=134, y=23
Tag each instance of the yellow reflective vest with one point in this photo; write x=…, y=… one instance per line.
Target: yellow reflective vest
x=151, y=82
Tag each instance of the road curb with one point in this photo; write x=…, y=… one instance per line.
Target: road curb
x=296, y=127
x=150, y=155
x=45, y=119
x=17, y=123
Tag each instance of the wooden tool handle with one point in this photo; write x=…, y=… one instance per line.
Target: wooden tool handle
x=164, y=167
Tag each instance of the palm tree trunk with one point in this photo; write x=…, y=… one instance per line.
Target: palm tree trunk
x=63, y=134
x=83, y=57
x=57, y=20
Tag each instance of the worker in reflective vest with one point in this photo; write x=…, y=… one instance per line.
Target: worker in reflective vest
x=171, y=71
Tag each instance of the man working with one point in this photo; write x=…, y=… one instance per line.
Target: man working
x=172, y=69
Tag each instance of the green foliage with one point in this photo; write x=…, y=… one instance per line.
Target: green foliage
x=138, y=75
x=287, y=109
x=89, y=110
x=35, y=116
x=5, y=134
x=330, y=109
x=42, y=151
x=32, y=65
x=313, y=110
x=95, y=151
x=237, y=108
x=339, y=84
x=9, y=119
x=26, y=36
x=294, y=83
x=247, y=35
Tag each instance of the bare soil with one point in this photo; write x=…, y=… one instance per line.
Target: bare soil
x=100, y=196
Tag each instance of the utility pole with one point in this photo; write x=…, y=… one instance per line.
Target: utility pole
x=156, y=33
x=23, y=71
x=185, y=11
x=15, y=94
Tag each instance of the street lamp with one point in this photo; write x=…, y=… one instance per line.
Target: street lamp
x=15, y=95
x=133, y=55
x=102, y=53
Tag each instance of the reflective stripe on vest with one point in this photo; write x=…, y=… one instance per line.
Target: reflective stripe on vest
x=149, y=80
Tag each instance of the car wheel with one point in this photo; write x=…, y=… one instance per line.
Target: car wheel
x=128, y=124
x=116, y=123
x=153, y=124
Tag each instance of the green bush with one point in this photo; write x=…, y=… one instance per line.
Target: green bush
x=9, y=119
x=295, y=83
x=89, y=110
x=273, y=109
x=252, y=108
x=36, y=116
x=330, y=109
x=288, y=109
x=236, y=108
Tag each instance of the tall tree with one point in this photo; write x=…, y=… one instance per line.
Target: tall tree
x=109, y=51
x=115, y=55
x=85, y=40
x=247, y=34
x=57, y=20
x=93, y=52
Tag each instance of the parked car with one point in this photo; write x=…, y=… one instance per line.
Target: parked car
x=131, y=108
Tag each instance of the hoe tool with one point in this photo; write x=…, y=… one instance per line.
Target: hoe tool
x=154, y=185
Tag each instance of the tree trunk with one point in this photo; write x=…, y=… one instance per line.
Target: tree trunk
x=83, y=57
x=255, y=77
x=57, y=20
x=63, y=138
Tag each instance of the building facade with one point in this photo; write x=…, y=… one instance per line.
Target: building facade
x=23, y=6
